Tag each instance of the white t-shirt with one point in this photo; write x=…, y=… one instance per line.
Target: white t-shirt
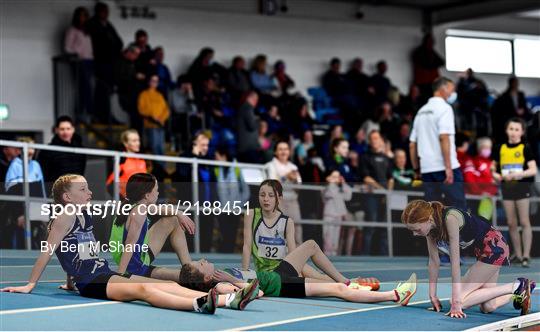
x=433, y=119
x=278, y=171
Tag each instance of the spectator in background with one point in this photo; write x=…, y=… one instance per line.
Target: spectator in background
x=162, y=71
x=246, y=130
x=388, y=121
x=426, y=63
x=433, y=143
x=302, y=121
x=404, y=178
x=232, y=191
x=335, y=85
x=402, y=140
x=154, y=110
x=477, y=174
x=130, y=83
x=313, y=170
x=410, y=104
x=510, y=104
x=262, y=82
x=273, y=118
x=238, y=81
x=77, y=41
x=376, y=173
x=146, y=56
x=15, y=174
x=184, y=114
x=484, y=183
x=131, y=142
x=336, y=193
x=8, y=154
x=210, y=102
x=264, y=141
x=516, y=169
x=204, y=66
x=381, y=84
x=339, y=160
x=284, y=82
x=336, y=132
x=57, y=163
x=357, y=80
x=280, y=168
x=206, y=180
x=14, y=186
x=333, y=81
x=372, y=123
x=473, y=103
x=359, y=143
x=107, y=46
x=462, y=150
x=302, y=147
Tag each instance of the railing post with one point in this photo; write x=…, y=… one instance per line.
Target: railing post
x=389, y=230
x=26, y=193
x=195, y=199
x=494, y=217
x=116, y=172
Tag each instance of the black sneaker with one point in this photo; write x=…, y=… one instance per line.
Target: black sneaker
x=525, y=262
x=515, y=260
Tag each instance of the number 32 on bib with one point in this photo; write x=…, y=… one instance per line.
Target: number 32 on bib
x=271, y=247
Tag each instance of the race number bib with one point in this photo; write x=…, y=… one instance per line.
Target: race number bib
x=87, y=247
x=271, y=247
x=511, y=168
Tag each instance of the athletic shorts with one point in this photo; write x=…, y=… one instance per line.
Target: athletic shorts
x=292, y=285
x=514, y=191
x=494, y=250
x=97, y=288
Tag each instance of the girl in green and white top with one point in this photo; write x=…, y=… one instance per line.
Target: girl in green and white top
x=269, y=234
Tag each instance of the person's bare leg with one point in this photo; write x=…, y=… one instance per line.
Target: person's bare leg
x=310, y=249
x=168, y=227
x=315, y=288
x=120, y=289
x=173, y=288
x=525, y=222
x=497, y=302
x=475, y=286
x=309, y=272
x=511, y=220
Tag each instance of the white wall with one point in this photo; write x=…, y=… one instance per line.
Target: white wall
x=32, y=30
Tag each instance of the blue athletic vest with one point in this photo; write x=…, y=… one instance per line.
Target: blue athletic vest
x=140, y=261
x=474, y=228
x=80, y=260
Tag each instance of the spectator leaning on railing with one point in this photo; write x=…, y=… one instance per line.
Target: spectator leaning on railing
x=128, y=166
x=55, y=163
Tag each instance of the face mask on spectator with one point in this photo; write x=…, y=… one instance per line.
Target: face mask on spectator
x=452, y=98
x=485, y=153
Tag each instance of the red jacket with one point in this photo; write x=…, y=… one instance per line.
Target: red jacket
x=477, y=174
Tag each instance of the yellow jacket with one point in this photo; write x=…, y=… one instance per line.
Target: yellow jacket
x=153, y=108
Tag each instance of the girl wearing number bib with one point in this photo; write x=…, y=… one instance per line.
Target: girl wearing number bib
x=269, y=234
x=516, y=170
x=135, y=228
x=73, y=240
